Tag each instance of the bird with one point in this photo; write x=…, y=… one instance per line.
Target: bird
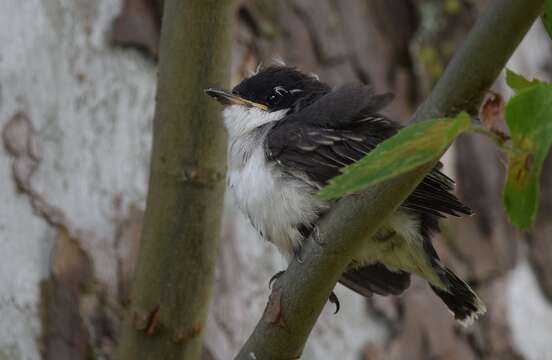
x=289, y=135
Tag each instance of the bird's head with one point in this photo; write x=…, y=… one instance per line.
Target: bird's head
x=267, y=96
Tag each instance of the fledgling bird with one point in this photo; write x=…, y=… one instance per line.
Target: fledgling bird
x=289, y=134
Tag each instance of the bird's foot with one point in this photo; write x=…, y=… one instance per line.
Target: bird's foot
x=316, y=237
x=334, y=300
x=297, y=251
x=275, y=277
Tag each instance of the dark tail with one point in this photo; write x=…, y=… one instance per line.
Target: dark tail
x=459, y=297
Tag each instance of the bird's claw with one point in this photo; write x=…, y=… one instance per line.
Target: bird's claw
x=316, y=237
x=274, y=278
x=334, y=300
x=298, y=254
x=333, y=297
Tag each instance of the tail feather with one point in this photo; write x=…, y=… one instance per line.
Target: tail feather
x=459, y=297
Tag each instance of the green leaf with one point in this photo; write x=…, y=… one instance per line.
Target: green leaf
x=410, y=148
x=547, y=17
x=518, y=82
x=529, y=117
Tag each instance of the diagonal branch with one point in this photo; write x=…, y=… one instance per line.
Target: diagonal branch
x=304, y=288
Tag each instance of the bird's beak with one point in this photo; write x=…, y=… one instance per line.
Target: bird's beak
x=227, y=98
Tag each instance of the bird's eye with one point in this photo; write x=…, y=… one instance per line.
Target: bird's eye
x=273, y=99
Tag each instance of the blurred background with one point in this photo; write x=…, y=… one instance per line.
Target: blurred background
x=77, y=95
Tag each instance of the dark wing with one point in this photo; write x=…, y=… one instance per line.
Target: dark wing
x=376, y=278
x=339, y=129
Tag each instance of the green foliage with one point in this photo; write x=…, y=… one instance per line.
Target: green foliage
x=410, y=148
x=547, y=17
x=529, y=117
x=518, y=82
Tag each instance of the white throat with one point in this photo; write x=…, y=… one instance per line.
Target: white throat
x=274, y=203
x=240, y=120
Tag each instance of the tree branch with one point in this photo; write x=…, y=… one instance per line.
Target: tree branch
x=304, y=288
x=173, y=280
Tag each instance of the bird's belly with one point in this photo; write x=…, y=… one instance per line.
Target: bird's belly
x=276, y=204
x=398, y=245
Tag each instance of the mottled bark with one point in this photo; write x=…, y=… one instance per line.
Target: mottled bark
x=66, y=334
x=138, y=25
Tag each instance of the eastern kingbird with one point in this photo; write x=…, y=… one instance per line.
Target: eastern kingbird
x=289, y=134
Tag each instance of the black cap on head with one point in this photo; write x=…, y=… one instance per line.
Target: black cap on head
x=274, y=88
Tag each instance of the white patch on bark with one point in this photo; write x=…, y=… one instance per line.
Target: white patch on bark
x=91, y=106
x=530, y=314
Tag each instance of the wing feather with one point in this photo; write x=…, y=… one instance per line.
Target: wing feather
x=339, y=129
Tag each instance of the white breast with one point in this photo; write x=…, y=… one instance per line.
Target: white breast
x=275, y=202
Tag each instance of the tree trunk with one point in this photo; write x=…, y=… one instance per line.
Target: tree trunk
x=174, y=274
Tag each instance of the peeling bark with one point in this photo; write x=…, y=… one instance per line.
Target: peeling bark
x=138, y=25
x=273, y=312
x=66, y=336
x=18, y=138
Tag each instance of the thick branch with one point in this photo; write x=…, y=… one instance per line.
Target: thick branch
x=173, y=280
x=305, y=286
